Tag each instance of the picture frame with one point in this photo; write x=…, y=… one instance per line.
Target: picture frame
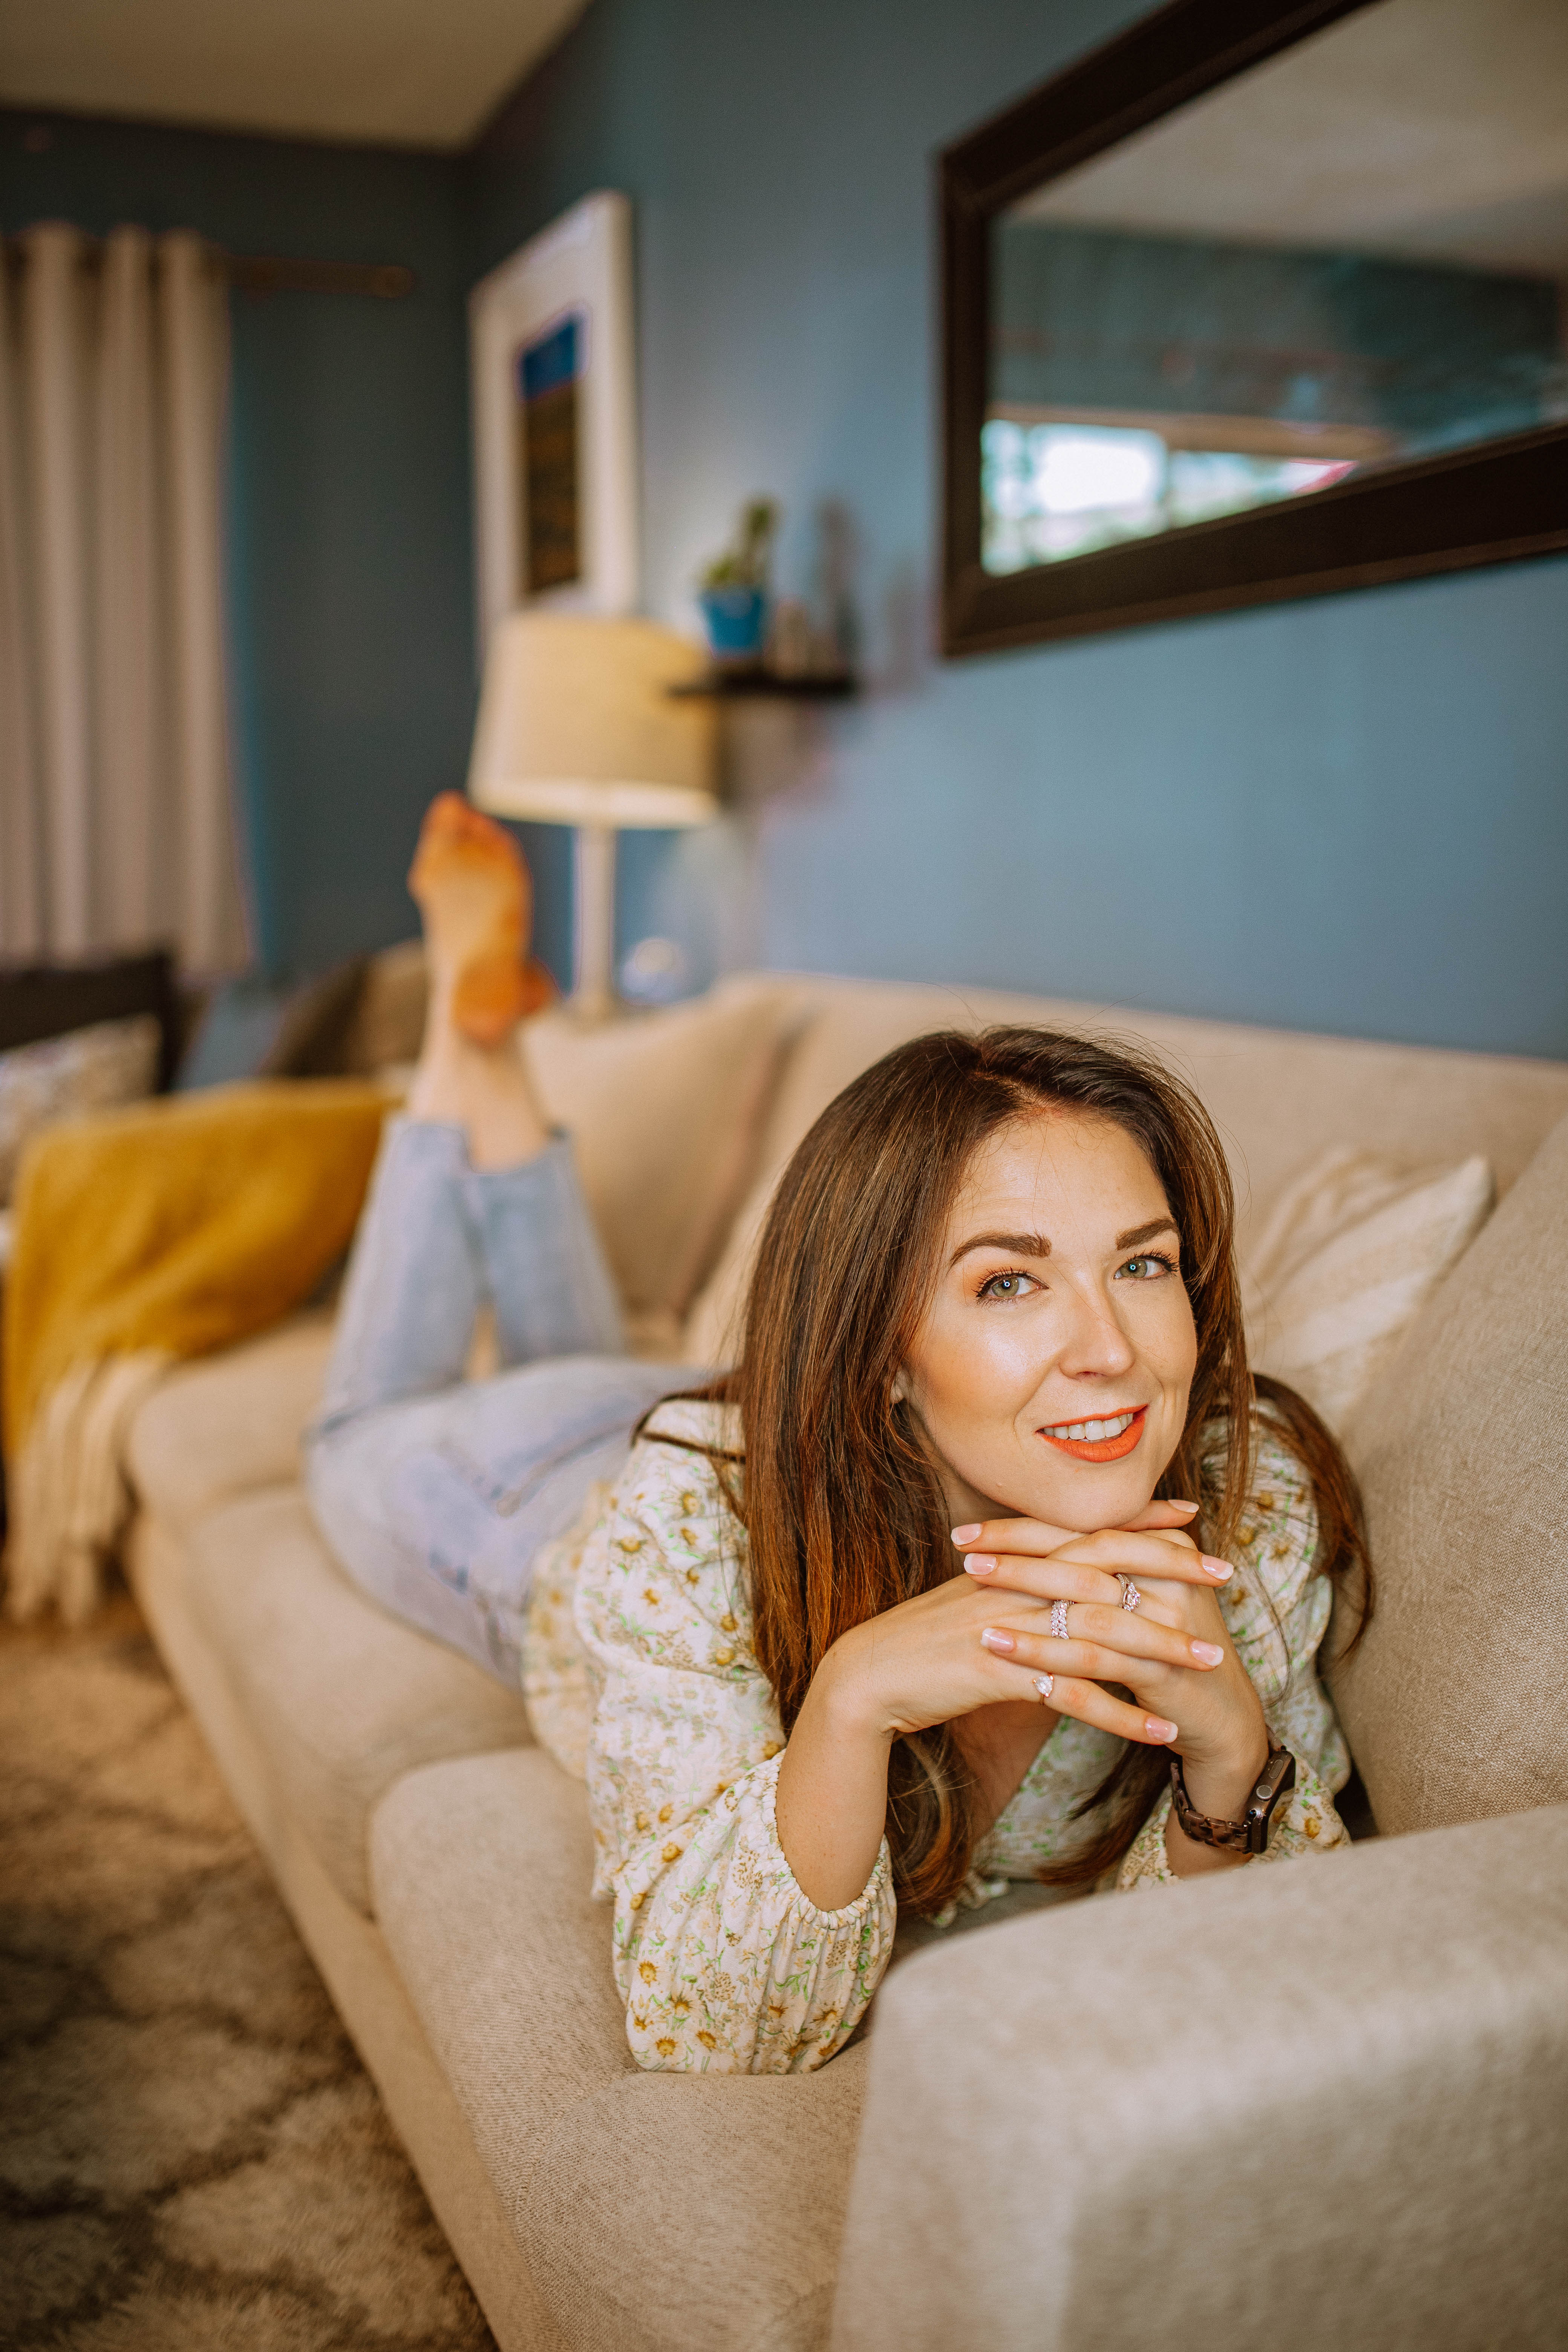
x=1495, y=501
x=553, y=354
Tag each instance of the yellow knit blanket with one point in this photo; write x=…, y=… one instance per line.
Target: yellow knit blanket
x=141, y=1237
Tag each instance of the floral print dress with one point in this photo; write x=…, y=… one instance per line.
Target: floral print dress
x=640, y=1678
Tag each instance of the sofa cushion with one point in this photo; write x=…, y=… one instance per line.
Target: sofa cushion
x=665, y=1116
x=228, y=1424
x=1453, y=1703
x=343, y=1698
x=636, y=2196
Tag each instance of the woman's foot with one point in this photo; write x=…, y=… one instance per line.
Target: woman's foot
x=473, y=889
x=474, y=893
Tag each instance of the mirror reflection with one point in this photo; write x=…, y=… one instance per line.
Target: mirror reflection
x=1353, y=256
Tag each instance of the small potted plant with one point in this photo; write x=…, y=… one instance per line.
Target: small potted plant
x=734, y=589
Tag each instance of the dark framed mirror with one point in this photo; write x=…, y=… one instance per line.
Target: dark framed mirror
x=1265, y=298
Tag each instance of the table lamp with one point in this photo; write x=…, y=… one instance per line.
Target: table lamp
x=577, y=727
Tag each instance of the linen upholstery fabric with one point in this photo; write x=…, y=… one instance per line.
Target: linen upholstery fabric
x=663, y=1112
x=1454, y=1701
x=218, y=1428
x=1278, y=1099
x=1350, y=1256
x=343, y=1698
x=480, y=1867
x=743, y=2178
x=637, y=2198
x=1327, y=2108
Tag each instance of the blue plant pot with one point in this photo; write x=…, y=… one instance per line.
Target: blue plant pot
x=737, y=620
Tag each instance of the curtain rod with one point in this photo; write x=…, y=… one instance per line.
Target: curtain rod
x=275, y=273
x=271, y=273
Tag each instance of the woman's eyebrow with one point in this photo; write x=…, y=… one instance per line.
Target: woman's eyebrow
x=1136, y=1233
x=1020, y=1244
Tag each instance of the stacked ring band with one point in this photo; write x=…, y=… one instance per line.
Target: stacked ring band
x=1060, y=1620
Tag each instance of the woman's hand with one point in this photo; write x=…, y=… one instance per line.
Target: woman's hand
x=925, y=1662
x=1173, y=1652
x=983, y=1638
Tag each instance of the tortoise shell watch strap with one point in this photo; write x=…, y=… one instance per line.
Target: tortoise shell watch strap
x=1250, y=1834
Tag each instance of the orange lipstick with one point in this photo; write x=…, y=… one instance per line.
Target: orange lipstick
x=1101, y=1449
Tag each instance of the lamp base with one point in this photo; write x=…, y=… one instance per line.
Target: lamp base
x=594, y=998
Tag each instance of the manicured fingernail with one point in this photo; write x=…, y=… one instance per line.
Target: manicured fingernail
x=1176, y=1506
x=1158, y=1728
x=1220, y=1569
x=994, y=1639
x=968, y=1533
x=1209, y=1653
x=979, y=1563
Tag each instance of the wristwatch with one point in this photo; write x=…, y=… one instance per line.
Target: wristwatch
x=1250, y=1834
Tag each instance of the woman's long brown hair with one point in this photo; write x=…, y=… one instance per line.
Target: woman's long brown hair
x=841, y=1501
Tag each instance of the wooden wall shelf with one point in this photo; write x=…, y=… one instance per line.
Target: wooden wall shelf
x=734, y=685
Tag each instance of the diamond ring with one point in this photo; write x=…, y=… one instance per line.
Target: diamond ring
x=1060, y=1620
x=1130, y=1596
x=1045, y=1685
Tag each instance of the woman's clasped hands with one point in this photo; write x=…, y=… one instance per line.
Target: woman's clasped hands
x=1140, y=1612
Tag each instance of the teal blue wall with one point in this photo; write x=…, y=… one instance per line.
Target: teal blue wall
x=1348, y=814
x=351, y=603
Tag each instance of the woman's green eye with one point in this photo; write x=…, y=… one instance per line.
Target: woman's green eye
x=1147, y=1269
x=1006, y=1285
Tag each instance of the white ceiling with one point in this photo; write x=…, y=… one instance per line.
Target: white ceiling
x=416, y=73
x=1436, y=129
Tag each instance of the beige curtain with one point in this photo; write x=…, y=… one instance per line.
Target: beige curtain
x=116, y=817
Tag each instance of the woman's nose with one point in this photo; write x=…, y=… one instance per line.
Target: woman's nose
x=1096, y=1342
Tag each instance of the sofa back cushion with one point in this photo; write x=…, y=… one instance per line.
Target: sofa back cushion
x=664, y=1115
x=1453, y=1703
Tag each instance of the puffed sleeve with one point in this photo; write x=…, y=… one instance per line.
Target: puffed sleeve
x=1276, y=1612
x=723, y=1962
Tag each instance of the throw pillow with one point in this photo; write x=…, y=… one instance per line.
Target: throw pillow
x=89, y=1069
x=665, y=1112
x=1354, y=1248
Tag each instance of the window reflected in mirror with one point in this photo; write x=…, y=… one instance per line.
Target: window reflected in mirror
x=1353, y=256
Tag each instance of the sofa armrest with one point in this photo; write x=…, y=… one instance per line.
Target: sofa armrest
x=1325, y=2103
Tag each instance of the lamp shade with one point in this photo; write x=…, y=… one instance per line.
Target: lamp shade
x=576, y=725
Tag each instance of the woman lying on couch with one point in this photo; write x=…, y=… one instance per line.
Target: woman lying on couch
x=939, y=1532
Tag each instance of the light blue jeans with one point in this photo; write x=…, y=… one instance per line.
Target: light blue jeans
x=435, y=1492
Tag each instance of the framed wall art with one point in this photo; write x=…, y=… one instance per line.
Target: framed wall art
x=555, y=453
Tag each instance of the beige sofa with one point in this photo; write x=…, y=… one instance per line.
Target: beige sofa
x=1314, y=2107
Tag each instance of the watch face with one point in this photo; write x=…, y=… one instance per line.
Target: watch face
x=1279, y=1773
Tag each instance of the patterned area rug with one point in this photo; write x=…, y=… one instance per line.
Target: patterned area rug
x=192, y=2159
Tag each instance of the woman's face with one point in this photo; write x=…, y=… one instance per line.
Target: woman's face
x=1050, y=1373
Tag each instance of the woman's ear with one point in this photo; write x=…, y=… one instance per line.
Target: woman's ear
x=900, y=1394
